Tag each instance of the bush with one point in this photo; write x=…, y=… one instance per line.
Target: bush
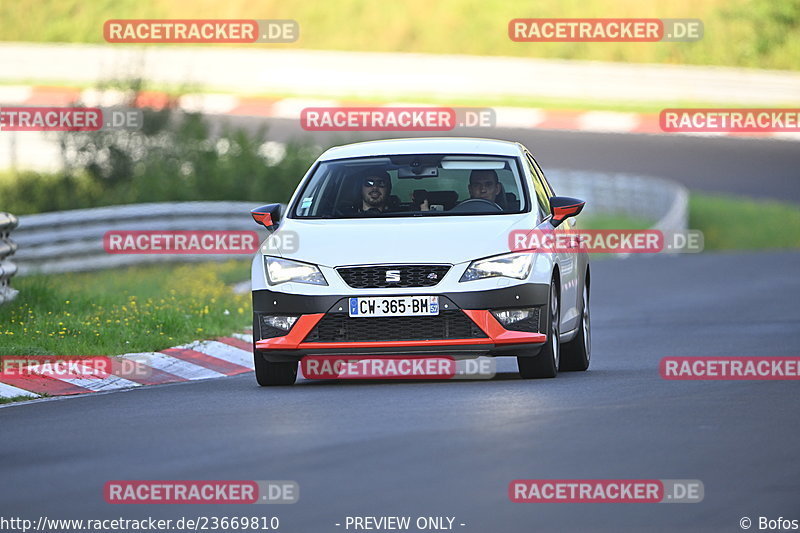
x=176, y=156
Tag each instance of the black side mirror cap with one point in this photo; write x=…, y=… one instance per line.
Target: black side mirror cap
x=564, y=207
x=268, y=215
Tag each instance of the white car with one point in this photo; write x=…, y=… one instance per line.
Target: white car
x=401, y=247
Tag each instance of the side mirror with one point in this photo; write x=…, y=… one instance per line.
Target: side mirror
x=564, y=207
x=267, y=215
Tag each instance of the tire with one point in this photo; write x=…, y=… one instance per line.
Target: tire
x=545, y=365
x=272, y=374
x=577, y=353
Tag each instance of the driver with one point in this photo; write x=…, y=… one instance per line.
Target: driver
x=484, y=184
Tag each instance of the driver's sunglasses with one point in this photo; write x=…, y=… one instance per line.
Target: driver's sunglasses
x=375, y=183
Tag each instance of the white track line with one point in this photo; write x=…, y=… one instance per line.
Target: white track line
x=173, y=365
x=518, y=117
x=225, y=352
x=243, y=336
x=290, y=108
x=220, y=104
x=9, y=391
x=608, y=121
x=105, y=384
x=15, y=94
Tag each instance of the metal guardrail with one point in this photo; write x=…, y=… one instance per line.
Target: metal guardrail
x=70, y=241
x=7, y=248
x=663, y=202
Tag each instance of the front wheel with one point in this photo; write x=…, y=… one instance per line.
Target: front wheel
x=545, y=365
x=271, y=374
x=576, y=354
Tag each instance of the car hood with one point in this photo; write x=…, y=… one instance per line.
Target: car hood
x=444, y=239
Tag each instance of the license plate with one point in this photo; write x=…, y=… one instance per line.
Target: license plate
x=394, y=306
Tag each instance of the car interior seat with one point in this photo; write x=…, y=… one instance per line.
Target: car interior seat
x=448, y=199
x=501, y=198
x=512, y=204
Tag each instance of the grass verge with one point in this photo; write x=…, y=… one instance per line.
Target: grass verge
x=727, y=222
x=748, y=33
x=119, y=311
x=614, y=222
x=736, y=223
x=14, y=399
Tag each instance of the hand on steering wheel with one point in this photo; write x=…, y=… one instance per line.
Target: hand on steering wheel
x=472, y=203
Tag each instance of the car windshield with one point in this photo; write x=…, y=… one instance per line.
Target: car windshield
x=412, y=185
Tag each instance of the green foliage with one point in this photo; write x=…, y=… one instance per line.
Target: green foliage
x=33, y=192
x=174, y=157
x=743, y=33
x=131, y=309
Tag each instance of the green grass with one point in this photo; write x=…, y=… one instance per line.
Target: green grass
x=748, y=33
x=614, y=222
x=736, y=223
x=727, y=222
x=116, y=311
x=13, y=399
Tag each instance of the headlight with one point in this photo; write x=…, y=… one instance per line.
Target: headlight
x=516, y=266
x=284, y=270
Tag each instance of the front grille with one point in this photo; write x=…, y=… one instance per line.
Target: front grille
x=446, y=325
x=375, y=277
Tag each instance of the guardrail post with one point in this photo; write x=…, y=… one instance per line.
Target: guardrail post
x=7, y=248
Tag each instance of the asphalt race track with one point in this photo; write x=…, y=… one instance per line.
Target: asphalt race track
x=451, y=448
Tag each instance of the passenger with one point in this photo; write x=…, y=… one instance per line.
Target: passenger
x=375, y=190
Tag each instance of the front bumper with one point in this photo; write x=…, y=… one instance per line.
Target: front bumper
x=466, y=328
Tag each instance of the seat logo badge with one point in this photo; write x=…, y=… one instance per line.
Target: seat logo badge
x=392, y=276
x=433, y=275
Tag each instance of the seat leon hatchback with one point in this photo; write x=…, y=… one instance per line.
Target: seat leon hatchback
x=401, y=248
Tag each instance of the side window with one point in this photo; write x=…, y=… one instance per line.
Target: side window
x=547, y=186
x=542, y=192
x=305, y=204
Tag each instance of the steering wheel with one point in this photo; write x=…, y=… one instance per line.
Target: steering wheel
x=477, y=204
